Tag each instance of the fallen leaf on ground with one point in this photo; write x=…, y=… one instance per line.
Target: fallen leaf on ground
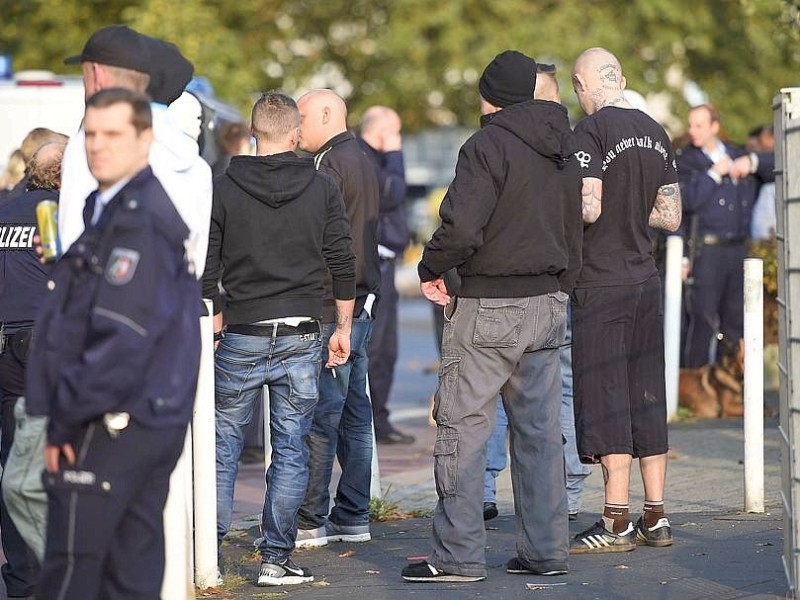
x=347, y=554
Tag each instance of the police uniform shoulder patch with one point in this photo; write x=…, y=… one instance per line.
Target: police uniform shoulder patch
x=121, y=266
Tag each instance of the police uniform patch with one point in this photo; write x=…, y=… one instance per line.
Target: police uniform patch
x=121, y=266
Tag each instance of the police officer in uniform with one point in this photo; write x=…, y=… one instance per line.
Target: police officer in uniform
x=719, y=184
x=115, y=368
x=22, y=289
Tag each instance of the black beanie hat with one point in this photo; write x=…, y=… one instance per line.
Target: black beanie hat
x=508, y=79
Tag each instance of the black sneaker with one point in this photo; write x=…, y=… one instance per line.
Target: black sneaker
x=424, y=572
x=658, y=535
x=394, y=437
x=597, y=539
x=284, y=572
x=489, y=511
x=516, y=566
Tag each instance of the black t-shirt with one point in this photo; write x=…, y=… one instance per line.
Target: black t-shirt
x=633, y=156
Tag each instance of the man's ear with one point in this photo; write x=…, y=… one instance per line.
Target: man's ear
x=99, y=76
x=326, y=115
x=623, y=83
x=294, y=137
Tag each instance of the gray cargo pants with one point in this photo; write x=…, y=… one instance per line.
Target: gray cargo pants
x=489, y=345
x=23, y=490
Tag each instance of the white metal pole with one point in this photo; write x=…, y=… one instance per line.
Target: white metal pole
x=672, y=321
x=753, y=385
x=267, y=433
x=177, y=581
x=375, y=482
x=205, y=467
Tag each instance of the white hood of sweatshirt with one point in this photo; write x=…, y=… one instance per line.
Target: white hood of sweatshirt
x=175, y=160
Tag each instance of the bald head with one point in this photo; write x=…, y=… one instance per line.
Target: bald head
x=323, y=115
x=380, y=128
x=598, y=81
x=44, y=169
x=38, y=137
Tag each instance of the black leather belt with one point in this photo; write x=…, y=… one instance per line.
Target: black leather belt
x=710, y=239
x=267, y=330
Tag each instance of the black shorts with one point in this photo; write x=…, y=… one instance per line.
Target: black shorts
x=618, y=370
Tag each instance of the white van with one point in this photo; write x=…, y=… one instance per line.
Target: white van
x=38, y=99
x=42, y=99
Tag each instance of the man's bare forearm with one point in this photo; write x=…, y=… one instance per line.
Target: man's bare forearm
x=666, y=213
x=591, y=196
x=344, y=315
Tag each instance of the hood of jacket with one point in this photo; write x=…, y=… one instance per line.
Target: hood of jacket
x=275, y=179
x=177, y=149
x=540, y=124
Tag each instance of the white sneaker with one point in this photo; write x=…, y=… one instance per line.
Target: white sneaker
x=348, y=533
x=311, y=538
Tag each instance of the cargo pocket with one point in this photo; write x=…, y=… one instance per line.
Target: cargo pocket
x=445, y=463
x=499, y=322
x=447, y=390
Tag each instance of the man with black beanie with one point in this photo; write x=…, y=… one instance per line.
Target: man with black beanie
x=511, y=226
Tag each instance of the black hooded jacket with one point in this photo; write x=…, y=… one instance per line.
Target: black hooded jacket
x=277, y=226
x=511, y=219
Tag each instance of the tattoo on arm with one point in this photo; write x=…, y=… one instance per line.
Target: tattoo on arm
x=591, y=194
x=342, y=321
x=666, y=213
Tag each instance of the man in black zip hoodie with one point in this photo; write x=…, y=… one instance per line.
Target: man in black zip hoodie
x=511, y=226
x=277, y=228
x=343, y=418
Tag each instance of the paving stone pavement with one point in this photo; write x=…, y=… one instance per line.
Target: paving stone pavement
x=720, y=552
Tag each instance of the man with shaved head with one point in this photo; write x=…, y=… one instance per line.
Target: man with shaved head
x=381, y=141
x=342, y=425
x=629, y=183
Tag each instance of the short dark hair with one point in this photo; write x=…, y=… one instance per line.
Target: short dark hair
x=761, y=129
x=274, y=115
x=141, y=117
x=232, y=135
x=712, y=111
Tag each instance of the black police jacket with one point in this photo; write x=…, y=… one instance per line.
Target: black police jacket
x=22, y=276
x=119, y=331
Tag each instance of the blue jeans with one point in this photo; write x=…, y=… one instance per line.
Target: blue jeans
x=496, y=453
x=289, y=365
x=576, y=471
x=342, y=428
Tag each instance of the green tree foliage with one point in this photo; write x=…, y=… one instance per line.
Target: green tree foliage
x=424, y=58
